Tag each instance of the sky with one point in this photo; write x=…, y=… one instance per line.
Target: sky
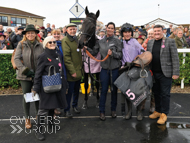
x=136, y=12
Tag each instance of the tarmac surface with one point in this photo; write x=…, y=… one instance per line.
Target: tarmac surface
x=87, y=128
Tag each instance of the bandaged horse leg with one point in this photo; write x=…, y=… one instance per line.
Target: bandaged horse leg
x=129, y=113
x=85, y=105
x=92, y=85
x=97, y=88
x=139, y=110
x=123, y=105
x=143, y=105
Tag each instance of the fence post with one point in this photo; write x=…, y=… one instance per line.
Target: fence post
x=182, y=81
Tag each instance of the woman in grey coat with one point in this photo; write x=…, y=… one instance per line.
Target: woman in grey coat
x=110, y=45
x=26, y=56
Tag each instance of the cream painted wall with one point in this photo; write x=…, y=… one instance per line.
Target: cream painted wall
x=35, y=21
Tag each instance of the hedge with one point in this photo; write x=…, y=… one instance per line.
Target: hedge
x=8, y=74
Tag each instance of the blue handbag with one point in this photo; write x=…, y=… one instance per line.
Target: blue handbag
x=52, y=83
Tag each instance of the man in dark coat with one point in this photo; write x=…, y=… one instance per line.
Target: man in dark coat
x=165, y=67
x=17, y=37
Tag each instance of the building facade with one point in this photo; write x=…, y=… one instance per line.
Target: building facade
x=14, y=17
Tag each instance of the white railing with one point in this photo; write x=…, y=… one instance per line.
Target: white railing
x=184, y=51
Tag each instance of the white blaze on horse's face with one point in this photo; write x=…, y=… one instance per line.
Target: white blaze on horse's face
x=72, y=30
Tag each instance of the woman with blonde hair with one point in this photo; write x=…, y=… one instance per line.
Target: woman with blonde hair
x=56, y=33
x=25, y=58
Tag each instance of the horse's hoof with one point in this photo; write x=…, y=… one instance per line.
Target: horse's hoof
x=97, y=104
x=91, y=94
x=85, y=106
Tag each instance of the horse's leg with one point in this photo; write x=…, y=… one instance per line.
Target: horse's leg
x=85, y=106
x=97, y=88
x=92, y=85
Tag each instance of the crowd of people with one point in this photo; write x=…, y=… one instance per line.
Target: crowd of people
x=40, y=48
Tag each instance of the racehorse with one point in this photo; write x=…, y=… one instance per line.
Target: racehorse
x=88, y=38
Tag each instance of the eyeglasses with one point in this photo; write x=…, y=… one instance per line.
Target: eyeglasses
x=50, y=42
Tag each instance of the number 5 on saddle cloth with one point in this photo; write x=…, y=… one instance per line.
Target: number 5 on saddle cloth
x=135, y=83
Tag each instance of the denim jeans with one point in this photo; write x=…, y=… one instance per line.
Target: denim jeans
x=105, y=82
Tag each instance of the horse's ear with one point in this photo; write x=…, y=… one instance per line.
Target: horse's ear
x=97, y=14
x=86, y=11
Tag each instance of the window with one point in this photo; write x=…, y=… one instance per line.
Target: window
x=4, y=19
x=18, y=21
x=23, y=21
x=13, y=21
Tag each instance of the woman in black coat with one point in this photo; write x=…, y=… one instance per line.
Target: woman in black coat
x=48, y=101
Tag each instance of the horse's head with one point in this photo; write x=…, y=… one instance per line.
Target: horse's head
x=88, y=27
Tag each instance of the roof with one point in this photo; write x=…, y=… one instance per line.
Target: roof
x=161, y=20
x=13, y=11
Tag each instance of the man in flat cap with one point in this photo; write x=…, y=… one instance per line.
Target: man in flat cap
x=73, y=62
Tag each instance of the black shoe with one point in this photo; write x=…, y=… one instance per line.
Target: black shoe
x=76, y=110
x=113, y=114
x=102, y=117
x=85, y=105
x=39, y=135
x=68, y=114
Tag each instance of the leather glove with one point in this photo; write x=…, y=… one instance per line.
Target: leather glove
x=30, y=74
x=25, y=71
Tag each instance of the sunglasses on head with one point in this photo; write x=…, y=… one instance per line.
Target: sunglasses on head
x=50, y=42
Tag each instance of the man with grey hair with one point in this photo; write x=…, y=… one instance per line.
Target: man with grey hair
x=10, y=32
x=73, y=62
x=180, y=40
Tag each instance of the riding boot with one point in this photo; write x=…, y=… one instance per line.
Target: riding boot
x=123, y=109
x=129, y=113
x=139, y=111
x=39, y=133
x=85, y=105
x=152, y=105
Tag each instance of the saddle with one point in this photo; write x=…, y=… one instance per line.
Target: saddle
x=143, y=60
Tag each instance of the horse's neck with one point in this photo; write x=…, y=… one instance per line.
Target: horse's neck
x=92, y=41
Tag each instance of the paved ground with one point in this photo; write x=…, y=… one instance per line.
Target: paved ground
x=87, y=128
